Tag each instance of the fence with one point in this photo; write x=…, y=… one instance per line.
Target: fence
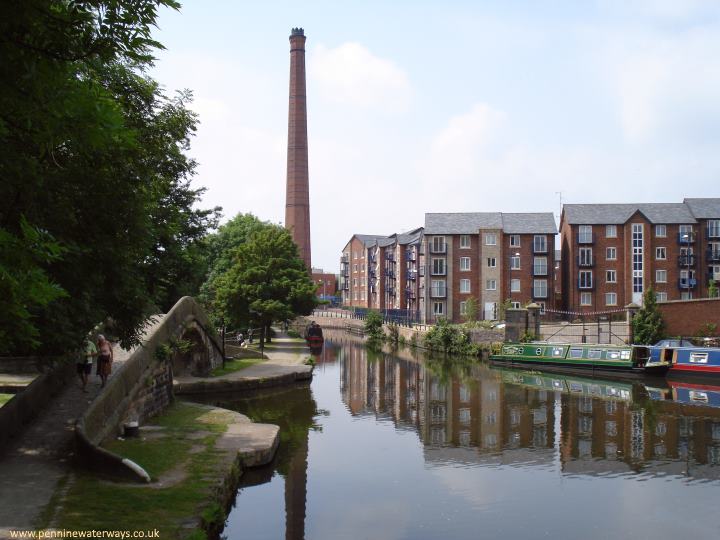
x=400, y=317
x=601, y=327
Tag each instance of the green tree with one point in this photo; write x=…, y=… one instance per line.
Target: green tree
x=712, y=289
x=92, y=158
x=374, y=325
x=266, y=282
x=471, y=310
x=648, y=325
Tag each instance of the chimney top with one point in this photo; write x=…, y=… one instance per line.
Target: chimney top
x=297, y=32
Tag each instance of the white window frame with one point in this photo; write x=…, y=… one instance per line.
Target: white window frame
x=491, y=285
x=585, y=234
x=583, y=278
x=585, y=299
x=490, y=239
x=661, y=296
x=463, y=307
x=540, y=285
x=515, y=262
x=515, y=305
x=438, y=245
x=660, y=276
x=465, y=286
x=611, y=253
x=514, y=285
x=513, y=239
x=542, y=240
x=611, y=299
x=464, y=241
x=661, y=253
x=492, y=262
x=437, y=311
x=440, y=263
x=540, y=266
x=610, y=276
x=713, y=228
x=610, y=231
x=464, y=264
x=660, y=231
x=438, y=288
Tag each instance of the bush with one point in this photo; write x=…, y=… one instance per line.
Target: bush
x=648, y=325
x=449, y=338
x=373, y=325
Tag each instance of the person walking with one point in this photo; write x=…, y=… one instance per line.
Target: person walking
x=85, y=362
x=105, y=359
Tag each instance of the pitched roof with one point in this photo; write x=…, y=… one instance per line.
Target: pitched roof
x=616, y=214
x=704, y=208
x=529, y=223
x=410, y=237
x=368, y=239
x=472, y=222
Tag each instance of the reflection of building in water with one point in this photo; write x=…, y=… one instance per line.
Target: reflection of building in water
x=481, y=419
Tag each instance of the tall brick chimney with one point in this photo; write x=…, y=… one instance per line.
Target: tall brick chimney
x=297, y=196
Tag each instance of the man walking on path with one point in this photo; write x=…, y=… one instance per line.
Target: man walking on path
x=85, y=362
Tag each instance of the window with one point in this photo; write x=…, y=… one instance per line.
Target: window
x=585, y=234
x=713, y=227
x=661, y=231
x=661, y=296
x=490, y=239
x=464, y=241
x=491, y=285
x=686, y=234
x=463, y=308
x=438, y=308
x=438, y=244
x=611, y=231
x=438, y=267
x=660, y=276
x=540, y=266
x=660, y=253
x=611, y=254
x=585, y=279
x=464, y=264
x=514, y=240
x=355, y=295
x=464, y=285
x=491, y=262
x=515, y=262
x=540, y=243
x=354, y=254
x=610, y=276
x=585, y=256
x=638, y=243
x=437, y=288
x=355, y=268
x=540, y=288
x=514, y=285
x=515, y=305
x=611, y=299
x=354, y=282
x=585, y=299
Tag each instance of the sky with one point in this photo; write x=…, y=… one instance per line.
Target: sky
x=449, y=106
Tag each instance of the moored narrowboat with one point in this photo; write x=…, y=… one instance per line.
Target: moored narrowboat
x=686, y=358
x=611, y=358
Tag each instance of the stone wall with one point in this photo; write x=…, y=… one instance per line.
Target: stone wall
x=687, y=317
x=142, y=387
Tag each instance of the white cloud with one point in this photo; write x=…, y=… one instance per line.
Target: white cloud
x=352, y=75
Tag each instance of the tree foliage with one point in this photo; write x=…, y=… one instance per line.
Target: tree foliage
x=471, y=310
x=648, y=325
x=96, y=208
x=266, y=282
x=374, y=325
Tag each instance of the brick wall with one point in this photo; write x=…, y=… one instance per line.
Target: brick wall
x=686, y=317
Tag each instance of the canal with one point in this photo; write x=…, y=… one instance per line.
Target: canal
x=388, y=446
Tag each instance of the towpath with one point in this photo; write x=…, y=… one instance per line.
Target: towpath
x=34, y=463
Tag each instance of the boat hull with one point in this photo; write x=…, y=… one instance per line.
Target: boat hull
x=689, y=361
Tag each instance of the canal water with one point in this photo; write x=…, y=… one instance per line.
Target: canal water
x=391, y=446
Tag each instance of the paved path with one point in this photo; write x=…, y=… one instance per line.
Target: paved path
x=32, y=465
x=285, y=363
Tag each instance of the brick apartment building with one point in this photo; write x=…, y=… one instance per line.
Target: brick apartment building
x=381, y=272
x=488, y=256
x=611, y=253
x=326, y=283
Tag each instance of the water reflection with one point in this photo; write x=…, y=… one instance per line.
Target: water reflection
x=593, y=426
x=416, y=447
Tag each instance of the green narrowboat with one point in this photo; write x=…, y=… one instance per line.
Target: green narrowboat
x=611, y=358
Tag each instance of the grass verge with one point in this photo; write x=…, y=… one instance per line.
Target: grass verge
x=232, y=366
x=94, y=503
x=4, y=398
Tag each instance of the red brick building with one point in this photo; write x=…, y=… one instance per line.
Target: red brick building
x=612, y=253
x=326, y=283
x=490, y=257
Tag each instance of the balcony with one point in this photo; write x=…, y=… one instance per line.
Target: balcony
x=390, y=274
x=372, y=258
x=390, y=289
x=687, y=283
x=412, y=275
x=390, y=256
x=345, y=286
x=345, y=259
x=686, y=260
x=685, y=238
x=410, y=294
x=410, y=256
x=585, y=262
x=713, y=255
x=715, y=276
x=438, y=292
x=586, y=238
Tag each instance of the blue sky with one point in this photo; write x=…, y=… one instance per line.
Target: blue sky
x=418, y=106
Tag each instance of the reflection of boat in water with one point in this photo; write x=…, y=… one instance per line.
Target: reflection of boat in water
x=314, y=336
x=695, y=394
x=567, y=384
x=686, y=358
x=598, y=358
